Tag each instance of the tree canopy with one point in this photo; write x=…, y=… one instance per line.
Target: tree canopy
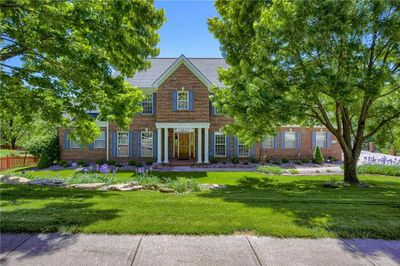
x=69, y=51
x=333, y=63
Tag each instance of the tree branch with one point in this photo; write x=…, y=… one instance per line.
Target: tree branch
x=381, y=124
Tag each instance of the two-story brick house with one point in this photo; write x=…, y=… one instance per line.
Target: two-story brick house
x=179, y=123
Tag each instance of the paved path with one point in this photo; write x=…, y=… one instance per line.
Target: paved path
x=79, y=249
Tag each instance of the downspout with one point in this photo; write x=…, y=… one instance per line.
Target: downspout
x=107, y=143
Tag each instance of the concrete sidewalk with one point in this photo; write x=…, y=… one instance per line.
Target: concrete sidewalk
x=79, y=249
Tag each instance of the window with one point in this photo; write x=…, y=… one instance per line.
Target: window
x=147, y=144
x=320, y=139
x=219, y=144
x=290, y=140
x=183, y=100
x=123, y=144
x=243, y=150
x=147, y=104
x=268, y=143
x=100, y=141
x=217, y=110
x=74, y=145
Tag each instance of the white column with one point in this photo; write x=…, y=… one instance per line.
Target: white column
x=206, y=145
x=199, y=157
x=165, y=145
x=159, y=145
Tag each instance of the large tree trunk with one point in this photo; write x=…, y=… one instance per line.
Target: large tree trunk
x=350, y=170
x=13, y=144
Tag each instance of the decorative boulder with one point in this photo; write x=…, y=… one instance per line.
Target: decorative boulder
x=14, y=180
x=87, y=186
x=166, y=190
x=125, y=187
x=46, y=182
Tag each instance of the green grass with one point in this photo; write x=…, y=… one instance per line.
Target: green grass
x=282, y=206
x=275, y=170
x=378, y=169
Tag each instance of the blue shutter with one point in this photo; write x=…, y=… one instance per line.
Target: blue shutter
x=138, y=144
x=66, y=140
x=155, y=150
x=191, y=100
x=276, y=144
x=328, y=139
x=252, y=151
x=212, y=109
x=228, y=146
x=130, y=144
x=313, y=139
x=235, y=146
x=174, y=101
x=114, y=144
x=298, y=136
x=154, y=103
x=283, y=139
x=211, y=149
x=91, y=146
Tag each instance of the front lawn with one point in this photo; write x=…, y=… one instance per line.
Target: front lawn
x=283, y=206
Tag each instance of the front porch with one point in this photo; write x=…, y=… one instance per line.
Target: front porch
x=183, y=143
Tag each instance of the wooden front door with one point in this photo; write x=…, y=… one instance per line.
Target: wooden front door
x=184, y=146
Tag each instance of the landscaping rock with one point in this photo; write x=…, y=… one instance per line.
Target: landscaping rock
x=14, y=180
x=212, y=186
x=166, y=190
x=331, y=185
x=125, y=187
x=46, y=182
x=87, y=186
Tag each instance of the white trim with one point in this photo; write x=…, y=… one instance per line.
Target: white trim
x=159, y=145
x=165, y=145
x=118, y=155
x=206, y=140
x=151, y=143
x=148, y=90
x=215, y=145
x=171, y=69
x=152, y=104
x=187, y=100
x=101, y=123
x=183, y=125
x=199, y=148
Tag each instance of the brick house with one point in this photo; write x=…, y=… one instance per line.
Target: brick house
x=179, y=123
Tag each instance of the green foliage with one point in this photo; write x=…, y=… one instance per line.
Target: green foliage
x=44, y=160
x=305, y=160
x=266, y=159
x=275, y=170
x=293, y=171
x=235, y=160
x=139, y=164
x=254, y=160
x=64, y=163
x=390, y=170
x=81, y=178
x=82, y=163
x=149, y=162
x=285, y=160
x=213, y=160
x=101, y=161
x=277, y=162
x=317, y=157
x=111, y=162
x=69, y=52
x=182, y=185
x=132, y=163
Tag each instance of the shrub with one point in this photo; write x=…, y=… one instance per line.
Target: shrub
x=379, y=169
x=101, y=161
x=276, y=162
x=332, y=159
x=318, y=157
x=213, y=160
x=132, y=163
x=139, y=164
x=293, y=171
x=305, y=160
x=181, y=184
x=246, y=162
x=111, y=162
x=82, y=163
x=235, y=160
x=270, y=170
x=44, y=160
x=149, y=162
x=64, y=163
x=118, y=164
x=285, y=160
x=266, y=159
x=254, y=160
x=298, y=162
x=49, y=144
x=80, y=178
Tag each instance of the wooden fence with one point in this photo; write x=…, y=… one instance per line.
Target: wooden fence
x=9, y=162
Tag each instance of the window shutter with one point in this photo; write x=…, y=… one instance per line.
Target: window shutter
x=91, y=146
x=174, y=101
x=154, y=103
x=66, y=140
x=212, y=109
x=191, y=100
x=252, y=151
x=138, y=144
x=114, y=144
x=283, y=139
x=211, y=148
x=313, y=139
x=155, y=150
x=276, y=144
x=235, y=146
x=298, y=139
x=228, y=146
x=328, y=139
x=130, y=144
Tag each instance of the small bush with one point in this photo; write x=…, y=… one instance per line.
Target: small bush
x=214, y=160
x=298, y=162
x=111, y=162
x=235, y=160
x=64, y=163
x=318, y=157
x=82, y=163
x=270, y=170
x=139, y=164
x=332, y=159
x=266, y=159
x=101, y=161
x=285, y=160
x=254, y=160
x=276, y=162
x=44, y=160
x=293, y=171
x=246, y=162
x=379, y=169
x=132, y=163
x=149, y=162
x=118, y=164
x=305, y=160
x=181, y=185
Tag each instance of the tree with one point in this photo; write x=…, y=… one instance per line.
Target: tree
x=69, y=51
x=333, y=62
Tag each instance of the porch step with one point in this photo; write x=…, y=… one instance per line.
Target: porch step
x=189, y=162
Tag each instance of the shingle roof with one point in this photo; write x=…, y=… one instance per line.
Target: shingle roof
x=207, y=66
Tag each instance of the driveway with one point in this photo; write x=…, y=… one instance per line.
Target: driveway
x=80, y=249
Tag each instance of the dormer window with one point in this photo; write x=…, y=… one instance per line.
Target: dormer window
x=183, y=100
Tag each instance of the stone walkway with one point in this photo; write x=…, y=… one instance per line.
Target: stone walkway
x=79, y=249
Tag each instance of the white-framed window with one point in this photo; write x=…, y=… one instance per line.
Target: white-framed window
x=147, y=144
x=268, y=142
x=290, y=139
x=123, y=143
x=217, y=110
x=320, y=139
x=219, y=144
x=147, y=104
x=100, y=141
x=183, y=100
x=243, y=149
x=74, y=145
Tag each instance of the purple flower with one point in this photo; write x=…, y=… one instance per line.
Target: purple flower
x=74, y=165
x=140, y=170
x=104, y=169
